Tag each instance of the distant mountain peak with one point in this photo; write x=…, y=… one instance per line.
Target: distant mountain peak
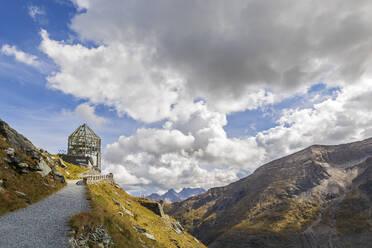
x=172, y=196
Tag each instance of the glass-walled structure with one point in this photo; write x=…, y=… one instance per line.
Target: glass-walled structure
x=83, y=142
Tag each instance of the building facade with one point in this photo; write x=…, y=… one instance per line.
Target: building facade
x=84, y=148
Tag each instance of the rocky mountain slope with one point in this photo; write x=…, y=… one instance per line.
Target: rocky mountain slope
x=129, y=221
x=27, y=173
x=317, y=197
x=172, y=196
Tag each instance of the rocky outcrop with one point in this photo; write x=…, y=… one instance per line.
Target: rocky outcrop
x=18, y=141
x=24, y=157
x=317, y=197
x=98, y=237
x=155, y=207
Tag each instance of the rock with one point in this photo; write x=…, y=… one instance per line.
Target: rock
x=128, y=212
x=23, y=165
x=176, y=226
x=45, y=169
x=155, y=207
x=175, y=242
x=1, y=182
x=10, y=152
x=150, y=236
x=18, y=141
x=139, y=229
x=57, y=173
x=16, y=160
x=20, y=193
x=99, y=237
x=7, y=160
x=80, y=182
x=120, y=213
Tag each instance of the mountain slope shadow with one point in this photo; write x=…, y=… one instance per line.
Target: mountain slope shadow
x=317, y=197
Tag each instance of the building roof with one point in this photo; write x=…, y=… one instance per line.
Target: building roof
x=85, y=131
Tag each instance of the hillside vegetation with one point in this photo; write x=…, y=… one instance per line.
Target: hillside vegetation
x=128, y=222
x=27, y=174
x=318, y=197
x=70, y=171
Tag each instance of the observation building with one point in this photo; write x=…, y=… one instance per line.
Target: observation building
x=84, y=148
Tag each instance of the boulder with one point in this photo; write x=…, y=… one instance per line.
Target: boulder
x=150, y=236
x=45, y=169
x=155, y=207
x=10, y=152
x=22, y=165
x=57, y=173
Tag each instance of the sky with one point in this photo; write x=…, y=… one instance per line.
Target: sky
x=187, y=93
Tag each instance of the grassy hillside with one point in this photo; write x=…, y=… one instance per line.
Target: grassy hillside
x=122, y=215
x=70, y=171
x=21, y=187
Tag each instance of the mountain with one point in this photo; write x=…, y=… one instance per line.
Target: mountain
x=189, y=192
x=27, y=174
x=318, y=197
x=172, y=196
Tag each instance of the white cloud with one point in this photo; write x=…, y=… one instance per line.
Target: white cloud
x=35, y=11
x=167, y=158
x=86, y=113
x=344, y=118
x=20, y=56
x=212, y=59
x=116, y=75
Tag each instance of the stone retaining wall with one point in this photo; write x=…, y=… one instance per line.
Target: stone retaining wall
x=155, y=207
x=109, y=178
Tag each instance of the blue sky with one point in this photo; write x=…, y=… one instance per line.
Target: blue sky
x=27, y=104
x=197, y=104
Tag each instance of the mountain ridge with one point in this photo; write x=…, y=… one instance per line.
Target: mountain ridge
x=172, y=196
x=281, y=201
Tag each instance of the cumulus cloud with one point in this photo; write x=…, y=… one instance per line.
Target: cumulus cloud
x=86, y=113
x=116, y=75
x=20, y=56
x=226, y=51
x=191, y=63
x=158, y=159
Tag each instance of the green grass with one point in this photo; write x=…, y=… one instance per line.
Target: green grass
x=72, y=171
x=105, y=211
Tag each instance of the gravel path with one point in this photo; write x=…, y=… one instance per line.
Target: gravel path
x=43, y=224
